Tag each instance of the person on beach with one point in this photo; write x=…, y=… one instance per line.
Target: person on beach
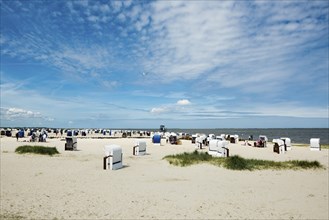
x=17, y=136
x=246, y=143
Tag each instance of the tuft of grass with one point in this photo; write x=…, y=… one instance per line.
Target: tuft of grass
x=305, y=164
x=37, y=150
x=238, y=163
x=11, y=216
x=186, y=159
x=324, y=146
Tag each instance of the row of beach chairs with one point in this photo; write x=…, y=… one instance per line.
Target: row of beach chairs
x=217, y=148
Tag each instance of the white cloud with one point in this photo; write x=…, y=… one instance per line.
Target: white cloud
x=95, y=75
x=177, y=108
x=143, y=21
x=159, y=110
x=217, y=109
x=222, y=43
x=110, y=84
x=127, y=3
x=18, y=113
x=292, y=110
x=80, y=58
x=2, y=39
x=93, y=18
x=83, y=3
x=135, y=12
x=178, y=27
x=104, y=8
x=116, y=6
x=121, y=17
x=183, y=102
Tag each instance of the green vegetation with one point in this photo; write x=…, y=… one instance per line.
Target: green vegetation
x=37, y=150
x=323, y=146
x=238, y=163
x=11, y=216
x=186, y=159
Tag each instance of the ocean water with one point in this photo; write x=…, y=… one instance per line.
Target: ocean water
x=297, y=135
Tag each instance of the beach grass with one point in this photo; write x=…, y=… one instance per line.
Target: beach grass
x=186, y=159
x=238, y=163
x=11, y=216
x=37, y=150
x=323, y=146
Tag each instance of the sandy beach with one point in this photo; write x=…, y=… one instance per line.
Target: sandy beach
x=73, y=184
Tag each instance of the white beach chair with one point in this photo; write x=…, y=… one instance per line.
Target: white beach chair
x=315, y=144
x=203, y=138
x=193, y=140
x=140, y=148
x=234, y=139
x=278, y=146
x=113, y=157
x=198, y=143
x=287, y=143
x=71, y=143
x=217, y=148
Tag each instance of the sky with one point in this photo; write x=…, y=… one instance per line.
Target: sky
x=183, y=64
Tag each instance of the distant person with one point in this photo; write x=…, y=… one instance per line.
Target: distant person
x=246, y=143
x=17, y=136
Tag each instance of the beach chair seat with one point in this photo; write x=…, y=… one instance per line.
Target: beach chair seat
x=279, y=146
x=287, y=143
x=315, y=144
x=140, y=148
x=198, y=143
x=217, y=148
x=113, y=157
x=71, y=143
x=156, y=139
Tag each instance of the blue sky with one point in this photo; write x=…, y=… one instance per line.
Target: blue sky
x=184, y=64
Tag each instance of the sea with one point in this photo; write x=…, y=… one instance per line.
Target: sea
x=297, y=135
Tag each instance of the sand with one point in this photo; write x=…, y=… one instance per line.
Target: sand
x=73, y=185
